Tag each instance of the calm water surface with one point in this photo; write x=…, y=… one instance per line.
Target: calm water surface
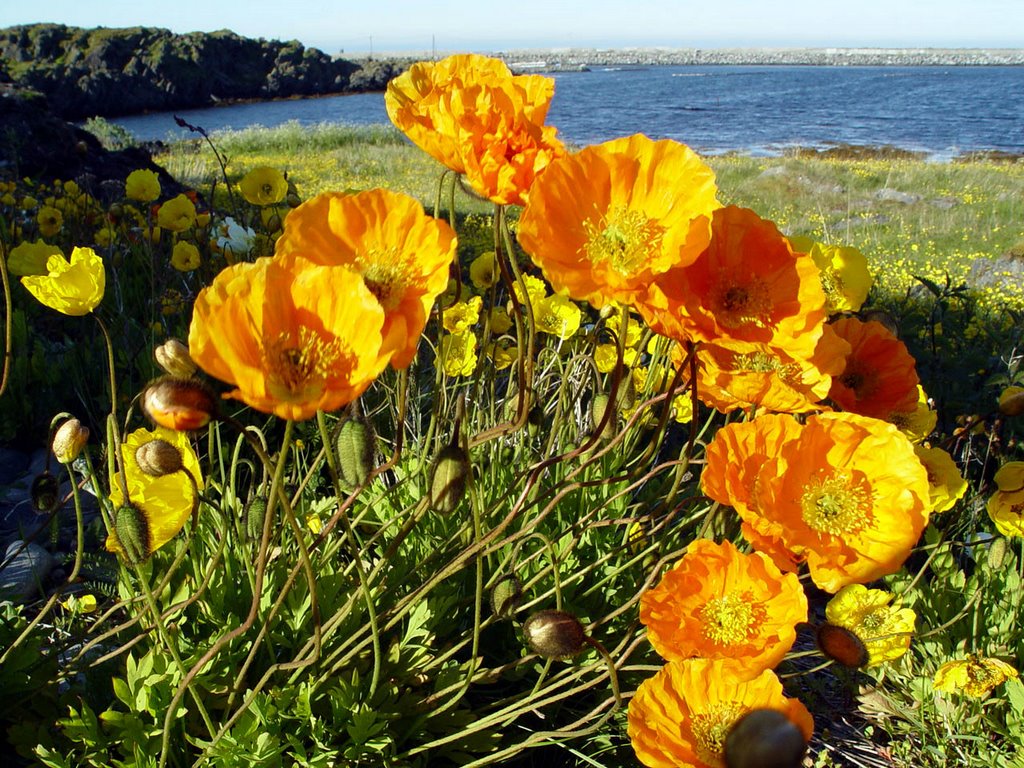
x=944, y=111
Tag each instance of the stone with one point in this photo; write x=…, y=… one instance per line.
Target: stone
x=27, y=567
x=896, y=196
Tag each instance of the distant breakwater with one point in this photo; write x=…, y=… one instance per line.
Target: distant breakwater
x=574, y=59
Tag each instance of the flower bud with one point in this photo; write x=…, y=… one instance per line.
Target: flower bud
x=554, y=634
x=1011, y=401
x=158, y=458
x=448, y=479
x=255, y=512
x=174, y=358
x=69, y=440
x=181, y=404
x=842, y=646
x=132, y=531
x=598, y=405
x=357, y=448
x=996, y=553
x=506, y=597
x=764, y=738
x=45, y=492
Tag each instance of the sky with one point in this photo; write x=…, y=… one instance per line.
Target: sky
x=419, y=26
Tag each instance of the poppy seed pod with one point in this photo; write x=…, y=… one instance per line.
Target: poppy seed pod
x=506, y=596
x=448, y=479
x=132, y=530
x=764, y=738
x=69, y=440
x=174, y=358
x=356, y=444
x=158, y=458
x=842, y=646
x=554, y=634
x=180, y=404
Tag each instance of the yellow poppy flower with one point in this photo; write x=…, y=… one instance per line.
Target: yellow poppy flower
x=165, y=501
x=72, y=288
x=142, y=185
x=483, y=271
x=680, y=718
x=499, y=320
x=558, y=316
x=603, y=222
x=1006, y=506
x=462, y=314
x=264, y=186
x=31, y=258
x=50, y=221
x=884, y=629
x=974, y=676
x=293, y=336
x=458, y=353
x=945, y=482
x=185, y=257
x=844, y=274
x=177, y=214
x=401, y=255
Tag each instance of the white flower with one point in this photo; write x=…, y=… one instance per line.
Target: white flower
x=234, y=237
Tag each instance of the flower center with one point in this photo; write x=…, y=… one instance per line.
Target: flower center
x=836, y=505
x=730, y=619
x=863, y=382
x=625, y=239
x=762, y=362
x=386, y=274
x=299, y=364
x=735, y=304
x=710, y=728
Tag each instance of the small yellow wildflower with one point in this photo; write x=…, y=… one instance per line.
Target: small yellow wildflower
x=177, y=214
x=50, y=221
x=558, y=316
x=142, y=185
x=462, y=314
x=458, y=353
x=974, y=676
x=185, y=257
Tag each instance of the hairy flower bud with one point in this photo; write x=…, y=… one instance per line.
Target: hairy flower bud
x=158, y=458
x=181, y=404
x=69, y=440
x=174, y=358
x=842, y=646
x=506, y=596
x=448, y=479
x=764, y=738
x=255, y=512
x=598, y=405
x=357, y=448
x=554, y=634
x=132, y=531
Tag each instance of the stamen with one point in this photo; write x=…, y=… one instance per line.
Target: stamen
x=626, y=239
x=836, y=505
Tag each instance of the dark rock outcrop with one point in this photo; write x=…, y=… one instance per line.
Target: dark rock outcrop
x=36, y=143
x=87, y=72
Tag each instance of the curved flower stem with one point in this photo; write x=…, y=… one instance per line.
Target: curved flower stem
x=8, y=313
x=250, y=619
x=364, y=586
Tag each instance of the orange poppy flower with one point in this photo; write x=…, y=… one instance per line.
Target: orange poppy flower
x=477, y=118
x=768, y=377
x=680, y=717
x=747, y=286
x=880, y=378
x=294, y=337
x=845, y=493
x=402, y=255
x=718, y=603
x=603, y=222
